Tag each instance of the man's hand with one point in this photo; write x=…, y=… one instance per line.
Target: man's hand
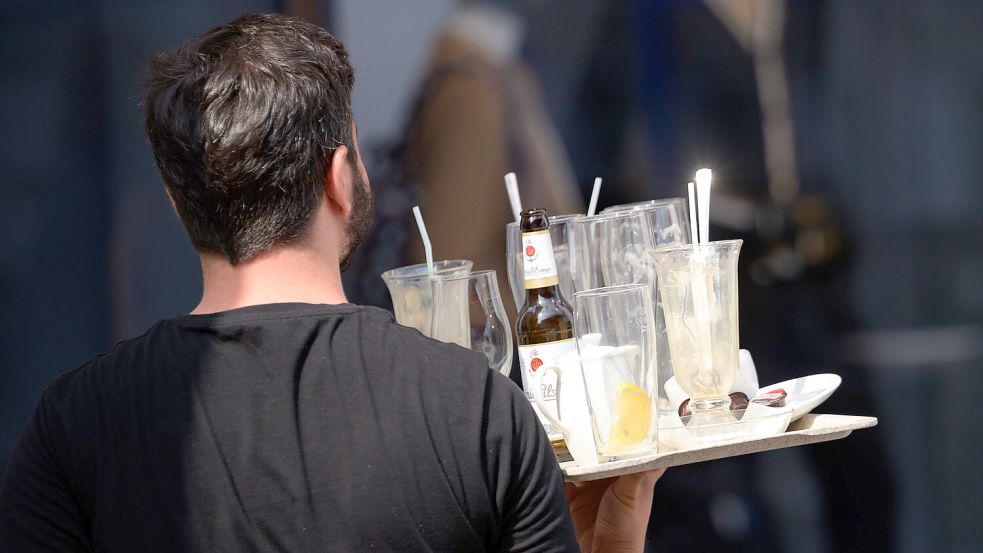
x=611, y=515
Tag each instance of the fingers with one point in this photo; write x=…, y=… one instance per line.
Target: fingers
x=584, y=502
x=635, y=490
x=624, y=513
x=631, y=491
x=652, y=476
x=612, y=514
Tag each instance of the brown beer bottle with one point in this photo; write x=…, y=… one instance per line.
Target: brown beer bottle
x=544, y=327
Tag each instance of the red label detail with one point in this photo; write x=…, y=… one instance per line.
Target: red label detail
x=530, y=251
x=536, y=363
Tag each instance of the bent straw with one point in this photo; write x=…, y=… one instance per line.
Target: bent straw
x=512, y=188
x=693, y=232
x=593, y=197
x=703, y=178
x=426, y=238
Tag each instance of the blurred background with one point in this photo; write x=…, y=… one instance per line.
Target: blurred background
x=846, y=139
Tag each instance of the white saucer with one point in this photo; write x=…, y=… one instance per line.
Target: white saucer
x=806, y=393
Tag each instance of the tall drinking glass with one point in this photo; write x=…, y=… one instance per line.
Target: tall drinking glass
x=411, y=290
x=483, y=326
x=699, y=291
x=611, y=249
x=669, y=223
x=614, y=329
x=560, y=235
x=668, y=219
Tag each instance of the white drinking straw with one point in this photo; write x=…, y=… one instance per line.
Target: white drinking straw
x=593, y=197
x=512, y=188
x=700, y=272
x=693, y=232
x=703, y=178
x=426, y=238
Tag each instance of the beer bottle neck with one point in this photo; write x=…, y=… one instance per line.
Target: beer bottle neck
x=533, y=295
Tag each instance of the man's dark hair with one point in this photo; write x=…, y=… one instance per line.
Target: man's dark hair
x=243, y=121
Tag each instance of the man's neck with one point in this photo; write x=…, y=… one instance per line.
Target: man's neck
x=284, y=275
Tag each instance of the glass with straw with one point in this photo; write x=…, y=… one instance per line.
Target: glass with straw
x=411, y=289
x=698, y=286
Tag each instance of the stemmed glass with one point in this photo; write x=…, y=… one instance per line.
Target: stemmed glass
x=698, y=283
x=468, y=311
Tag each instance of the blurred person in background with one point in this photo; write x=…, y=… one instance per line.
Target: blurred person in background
x=479, y=114
x=276, y=415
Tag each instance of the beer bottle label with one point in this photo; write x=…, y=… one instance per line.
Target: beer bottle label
x=537, y=260
x=532, y=358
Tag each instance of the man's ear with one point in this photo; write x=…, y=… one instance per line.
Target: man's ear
x=338, y=182
x=171, y=199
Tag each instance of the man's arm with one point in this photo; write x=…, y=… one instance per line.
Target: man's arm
x=536, y=516
x=37, y=510
x=608, y=516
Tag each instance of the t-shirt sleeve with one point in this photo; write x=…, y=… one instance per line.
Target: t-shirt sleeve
x=37, y=509
x=536, y=516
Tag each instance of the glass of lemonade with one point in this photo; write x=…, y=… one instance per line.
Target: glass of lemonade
x=614, y=327
x=412, y=293
x=698, y=285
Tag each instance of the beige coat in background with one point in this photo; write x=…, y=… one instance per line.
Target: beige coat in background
x=466, y=132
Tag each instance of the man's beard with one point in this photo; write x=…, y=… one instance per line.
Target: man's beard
x=360, y=219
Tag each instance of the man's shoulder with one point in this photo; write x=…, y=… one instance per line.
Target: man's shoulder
x=101, y=367
x=434, y=364
x=386, y=335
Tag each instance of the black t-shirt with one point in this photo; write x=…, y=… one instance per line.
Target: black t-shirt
x=287, y=427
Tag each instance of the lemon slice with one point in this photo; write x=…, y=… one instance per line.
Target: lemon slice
x=632, y=416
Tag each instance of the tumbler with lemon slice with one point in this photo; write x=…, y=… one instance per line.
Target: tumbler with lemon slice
x=614, y=327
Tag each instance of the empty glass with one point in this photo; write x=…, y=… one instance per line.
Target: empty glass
x=559, y=233
x=614, y=328
x=668, y=219
x=611, y=249
x=699, y=291
x=410, y=289
x=468, y=311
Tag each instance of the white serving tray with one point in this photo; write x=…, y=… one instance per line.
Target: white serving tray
x=810, y=429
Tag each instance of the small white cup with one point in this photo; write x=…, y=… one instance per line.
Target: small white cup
x=571, y=400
